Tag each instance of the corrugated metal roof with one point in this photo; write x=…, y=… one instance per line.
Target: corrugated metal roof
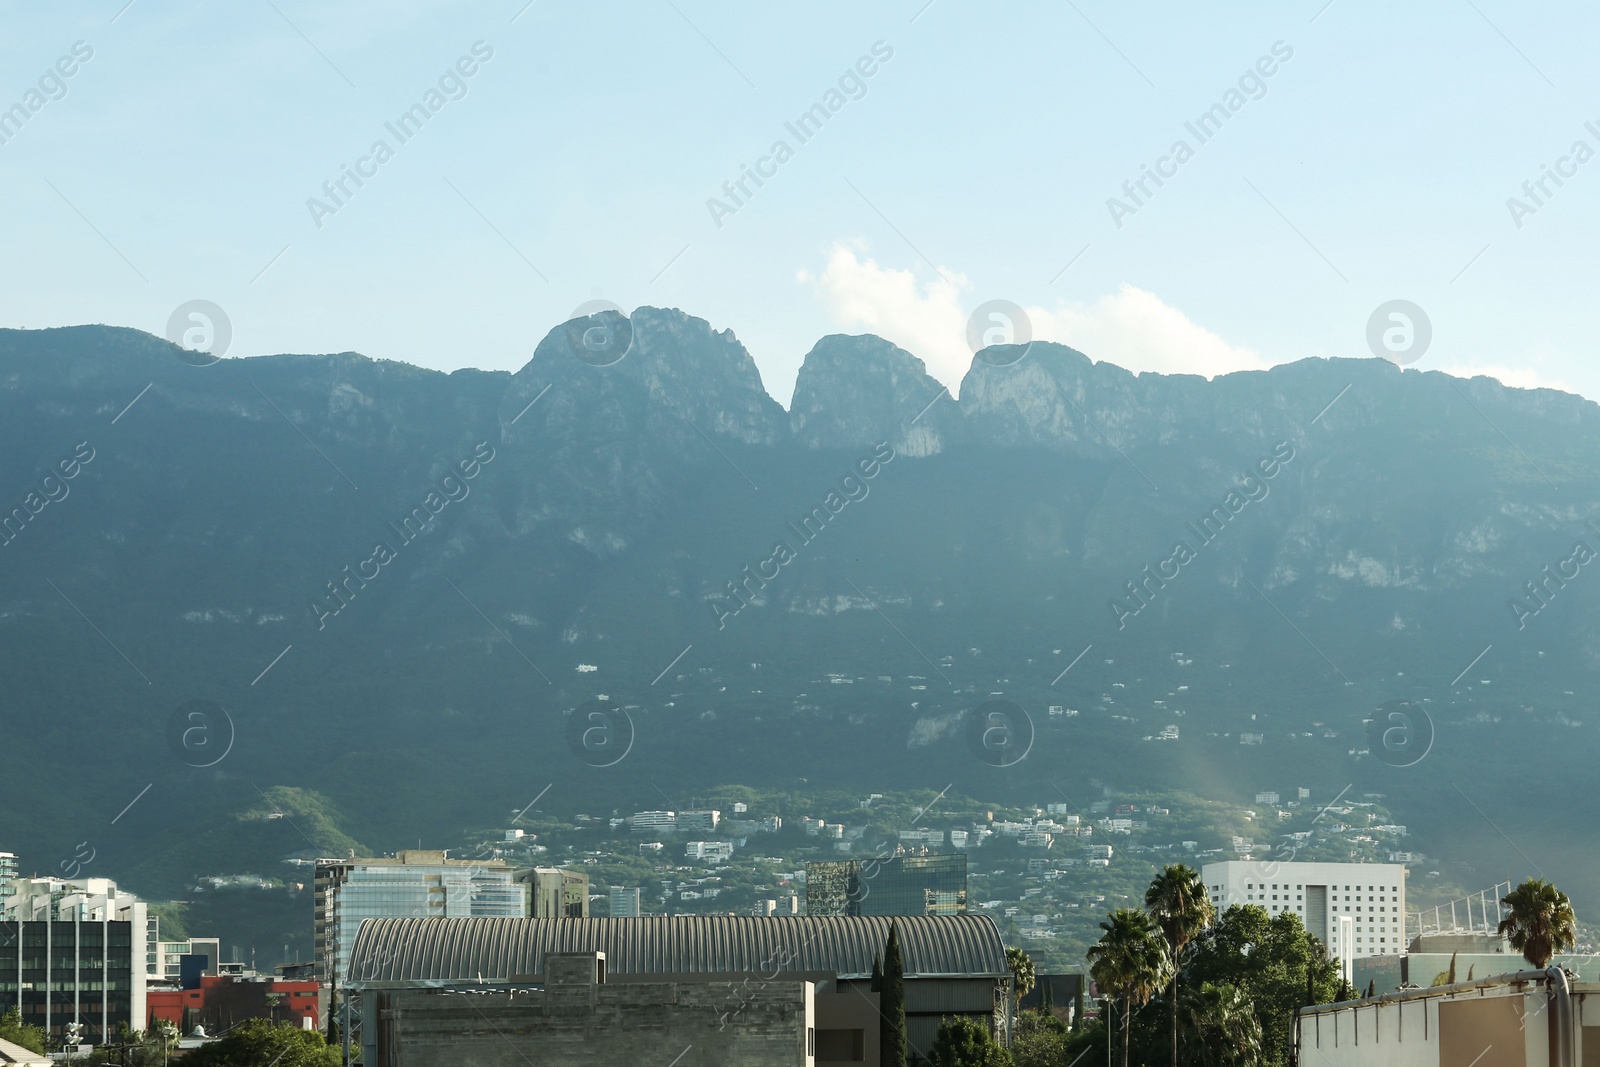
x=398, y=951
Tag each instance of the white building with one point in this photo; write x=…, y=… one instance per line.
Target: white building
x=1268, y=797
x=647, y=822
x=82, y=957
x=693, y=821
x=1372, y=896
x=709, y=850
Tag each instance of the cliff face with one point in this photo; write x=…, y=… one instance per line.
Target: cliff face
x=1350, y=534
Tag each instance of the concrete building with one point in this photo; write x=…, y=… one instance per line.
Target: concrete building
x=690, y=822
x=411, y=884
x=709, y=850
x=218, y=1002
x=738, y=989
x=653, y=822
x=554, y=893
x=579, y=1014
x=1369, y=898
x=73, y=952
x=1519, y=1019
x=625, y=903
x=205, y=961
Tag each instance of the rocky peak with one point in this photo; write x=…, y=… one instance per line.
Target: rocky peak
x=859, y=390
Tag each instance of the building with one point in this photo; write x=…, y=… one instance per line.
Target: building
x=690, y=822
x=654, y=822
x=207, y=961
x=217, y=1002
x=902, y=885
x=8, y=872
x=748, y=990
x=1484, y=1023
x=555, y=893
x=73, y=952
x=709, y=850
x=625, y=903
x=1367, y=899
x=411, y=884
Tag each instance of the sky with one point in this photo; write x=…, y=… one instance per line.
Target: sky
x=578, y=152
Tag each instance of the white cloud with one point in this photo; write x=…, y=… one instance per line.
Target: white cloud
x=1135, y=329
x=1131, y=328
x=926, y=320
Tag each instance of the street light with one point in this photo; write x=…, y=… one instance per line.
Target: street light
x=73, y=1037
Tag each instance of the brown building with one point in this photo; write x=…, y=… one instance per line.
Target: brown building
x=779, y=989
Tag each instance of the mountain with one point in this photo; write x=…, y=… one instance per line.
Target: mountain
x=388, y=589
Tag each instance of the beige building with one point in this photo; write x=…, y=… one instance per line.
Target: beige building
x=1520, y=1019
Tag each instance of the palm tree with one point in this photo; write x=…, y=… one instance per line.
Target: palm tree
x=1221, y=1022
x=1541, y=922
x=1022, y=976
x=1129, y=962
x=1178, y=901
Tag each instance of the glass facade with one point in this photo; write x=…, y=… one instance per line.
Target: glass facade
x=903, y=885
x=55, y=972
x=349, y=892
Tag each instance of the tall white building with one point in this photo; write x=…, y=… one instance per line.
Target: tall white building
x=412, y=884
x=73, y=951
x=1371, y=896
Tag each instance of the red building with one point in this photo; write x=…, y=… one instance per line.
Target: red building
x=223, y=1000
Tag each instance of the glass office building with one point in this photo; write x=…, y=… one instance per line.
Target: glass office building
x=413, y=884
x=901, y=885
x=73, y=952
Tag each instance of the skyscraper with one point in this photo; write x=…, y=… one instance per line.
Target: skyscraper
x=411, y=884
x=625, y=903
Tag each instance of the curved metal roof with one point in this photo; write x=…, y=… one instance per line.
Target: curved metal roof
x=427, y=951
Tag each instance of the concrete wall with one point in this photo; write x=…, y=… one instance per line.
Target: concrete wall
x=1485, y=1028
x=599, y=1025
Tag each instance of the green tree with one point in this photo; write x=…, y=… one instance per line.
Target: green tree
x=1541, y=922
x=1178, y=901
x=1273, y=962
x=1220, y=1024
x=1446, y=977
x=1022, y=976
x=965, y=1042
x=14, y=1030
x=892, y=1045
x=1129, y=963
x=258, y=1042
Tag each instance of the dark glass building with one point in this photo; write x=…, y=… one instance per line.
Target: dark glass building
x=57, y=972
x=902, y=885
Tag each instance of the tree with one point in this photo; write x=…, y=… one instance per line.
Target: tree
x=1129, y=962
x=14, y=1030
x=257, y=1042
x=1541, y=922
x=1178, y=901
x=965, y=1042
x=1219, y=1022
x=1274, y=962
x=1022, y=976
x=1446, y=977
x=877, y=973
x=892, y=1046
